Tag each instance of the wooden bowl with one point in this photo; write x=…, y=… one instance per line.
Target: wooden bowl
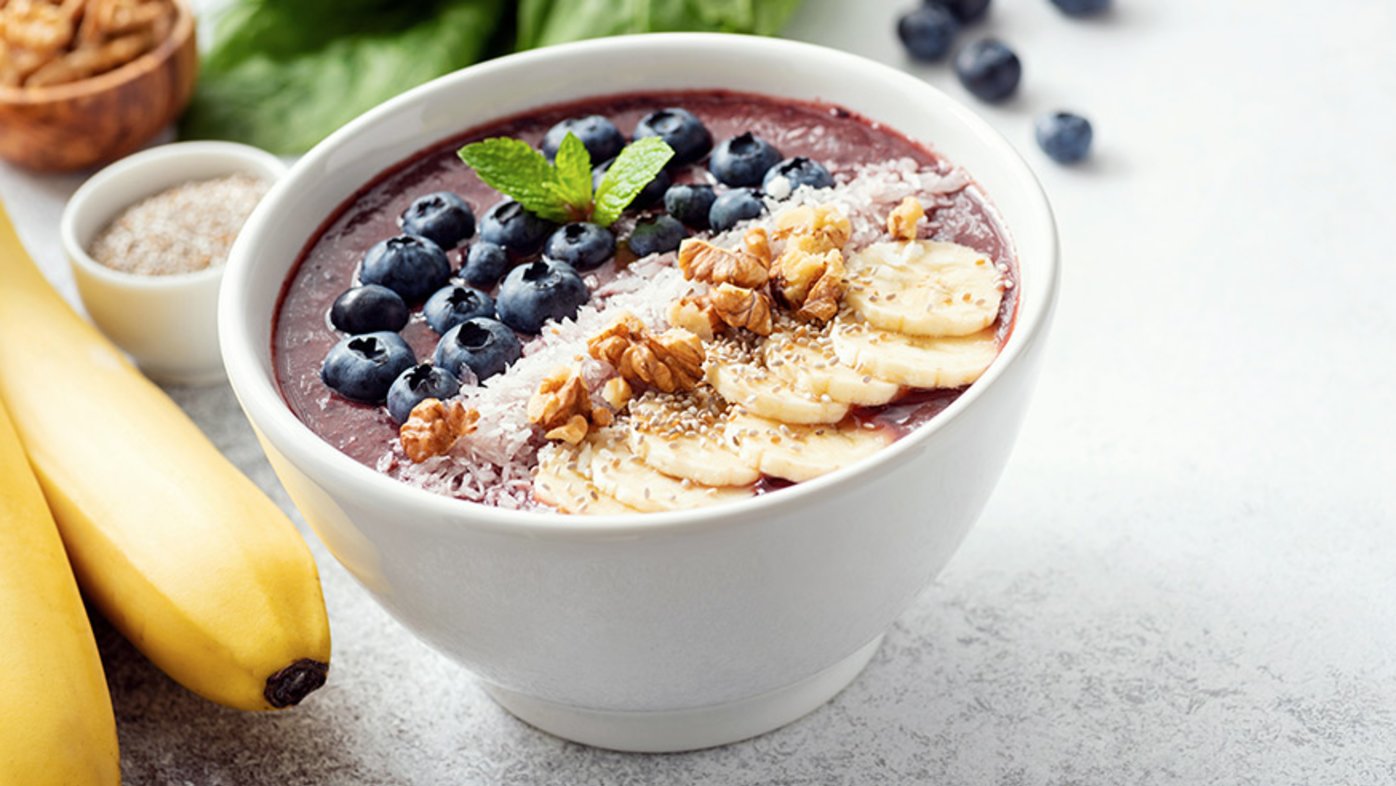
x=96, y=120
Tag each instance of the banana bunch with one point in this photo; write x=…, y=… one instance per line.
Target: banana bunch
x=178, y=549
x=917, y=314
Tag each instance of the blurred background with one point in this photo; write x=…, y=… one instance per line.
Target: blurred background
x=1186, y=575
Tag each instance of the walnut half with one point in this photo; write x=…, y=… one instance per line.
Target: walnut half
x=702, y=261
x=669, y=362
x=811, y=283
x=434, y=427
x=743, y=308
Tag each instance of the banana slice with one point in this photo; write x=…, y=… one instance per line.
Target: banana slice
x=806, y=359
x=561, y=482
x=682, y=436
x=617, y=471
x=924, y=288
x=799, y=453
x=914, y=361
x=741, y=378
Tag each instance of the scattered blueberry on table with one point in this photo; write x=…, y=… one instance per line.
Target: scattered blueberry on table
x=362, y=368
x=928, y=31
x=452, y=305
x=989, y=69
x=658, y=235
x=964, y=11
x=742, y=160
x=796, y=172
x=734, y=206
x=690, y=203
x=1081, y=7
x=485, y=263
x=417, y=384
x=411, y=266
x=369, y=309
x=443, y=218
x=583, y=245
x=1064, y=136
x=539, y=291
x=518, y=231
x=598, y=135
x=483, y=345
x=681, y=129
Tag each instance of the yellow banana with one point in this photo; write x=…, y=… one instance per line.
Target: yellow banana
x=185, y=556
x=56, y=724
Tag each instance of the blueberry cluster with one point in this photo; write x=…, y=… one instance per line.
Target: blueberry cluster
x=989, y=69
x=521, y=271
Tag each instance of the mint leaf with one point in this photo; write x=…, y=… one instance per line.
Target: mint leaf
x=628, y=175
x=572, y=176
x=514, y=168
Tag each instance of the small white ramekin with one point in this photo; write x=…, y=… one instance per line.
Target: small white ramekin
x=168, y=324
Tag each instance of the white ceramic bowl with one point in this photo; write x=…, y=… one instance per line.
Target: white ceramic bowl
x=168, y=324
x=665, y=631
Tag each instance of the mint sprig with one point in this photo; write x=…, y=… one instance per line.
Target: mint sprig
x=628, y=175
x=561, y=190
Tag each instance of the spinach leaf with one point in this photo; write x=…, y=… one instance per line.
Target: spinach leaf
x=544, y=22
x=282, y=75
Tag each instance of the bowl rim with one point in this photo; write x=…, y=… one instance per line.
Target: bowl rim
x=165, y=157
x=181, y=33
x=284, y=433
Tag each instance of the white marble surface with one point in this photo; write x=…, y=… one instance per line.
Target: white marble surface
x=1186, y=575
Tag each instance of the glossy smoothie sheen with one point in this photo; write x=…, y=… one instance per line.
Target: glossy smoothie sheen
x=831, y=135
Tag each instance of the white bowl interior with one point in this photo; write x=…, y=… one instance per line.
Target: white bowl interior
x=303, y=200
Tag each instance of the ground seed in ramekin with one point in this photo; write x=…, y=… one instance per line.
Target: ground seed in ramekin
x=183, y=229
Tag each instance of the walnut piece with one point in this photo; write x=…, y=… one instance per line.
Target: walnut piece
x=702, y=261
x=617, y=392
x=669, y=362
x=433, y=428
x=743, y=308
x=758, y=244
x=902, y=221
x=823, y=224
x=571, y=432
x=696, y=314
x=811, y=283
x=560, y=397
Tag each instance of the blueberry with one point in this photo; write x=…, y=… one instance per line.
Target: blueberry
x=1064, y=137
x=363, y=367
x=684, y=132
x=582, y=245
x=520, y=232
x=443, y=218
x=485, y=346
x=453, y=305
x=368, y=309
x=964, y=11
x=732, y=206
x=1081, y=7
x=927, y=31
x=988, y=69
x=417, y=384
x=598, y=135
x=485, y=263
x=797, y=171
x=411, y=266
x=742, y=160
x=537, y=292
x=690, y=203
x=649, y=196
x=658, y=235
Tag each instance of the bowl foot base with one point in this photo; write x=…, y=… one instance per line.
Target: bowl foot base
x=684, y=730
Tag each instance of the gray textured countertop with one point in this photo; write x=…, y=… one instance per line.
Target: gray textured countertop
x=1187, y=573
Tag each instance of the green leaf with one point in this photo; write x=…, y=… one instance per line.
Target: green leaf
x=628, y=175
x=514, y=168
x=282, y=75
x=572, y=176
x=544, y=22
